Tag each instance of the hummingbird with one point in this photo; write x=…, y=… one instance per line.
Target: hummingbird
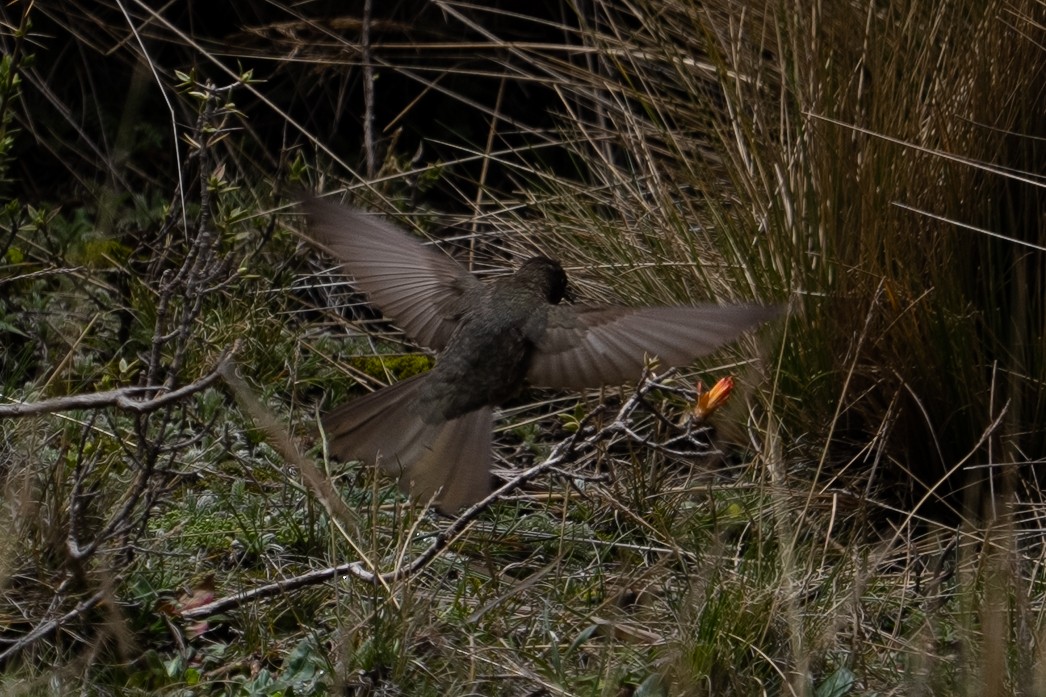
x=492, y=339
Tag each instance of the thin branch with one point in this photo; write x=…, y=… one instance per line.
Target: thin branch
x=126, y=398
x=45, y=628
x=368, y=90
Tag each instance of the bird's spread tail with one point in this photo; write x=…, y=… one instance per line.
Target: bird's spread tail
x=449, y=457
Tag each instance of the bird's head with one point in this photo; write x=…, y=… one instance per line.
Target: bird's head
x=545, y=275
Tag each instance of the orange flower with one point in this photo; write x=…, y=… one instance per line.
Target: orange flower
x=708, y=402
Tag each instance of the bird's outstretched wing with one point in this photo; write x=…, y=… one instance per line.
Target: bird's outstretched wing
x=592, y=346
x=417, y=287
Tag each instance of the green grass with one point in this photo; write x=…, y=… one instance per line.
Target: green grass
x=865, y=518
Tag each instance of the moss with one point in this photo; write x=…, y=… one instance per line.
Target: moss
x=399, y=367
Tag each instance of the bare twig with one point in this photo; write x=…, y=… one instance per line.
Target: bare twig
x=45, y=628
x=126, y=398
x=368, y=90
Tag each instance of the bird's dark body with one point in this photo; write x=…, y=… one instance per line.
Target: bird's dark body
x=487, y=358
x=493, y=338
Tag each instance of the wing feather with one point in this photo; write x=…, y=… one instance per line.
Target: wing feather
x=417, y=287
x=592, y=346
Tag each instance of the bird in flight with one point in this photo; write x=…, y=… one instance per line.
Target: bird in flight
x=492, y=338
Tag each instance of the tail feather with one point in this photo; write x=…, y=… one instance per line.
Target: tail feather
x=380, y=428
x=456, y=463
x=449, y=457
